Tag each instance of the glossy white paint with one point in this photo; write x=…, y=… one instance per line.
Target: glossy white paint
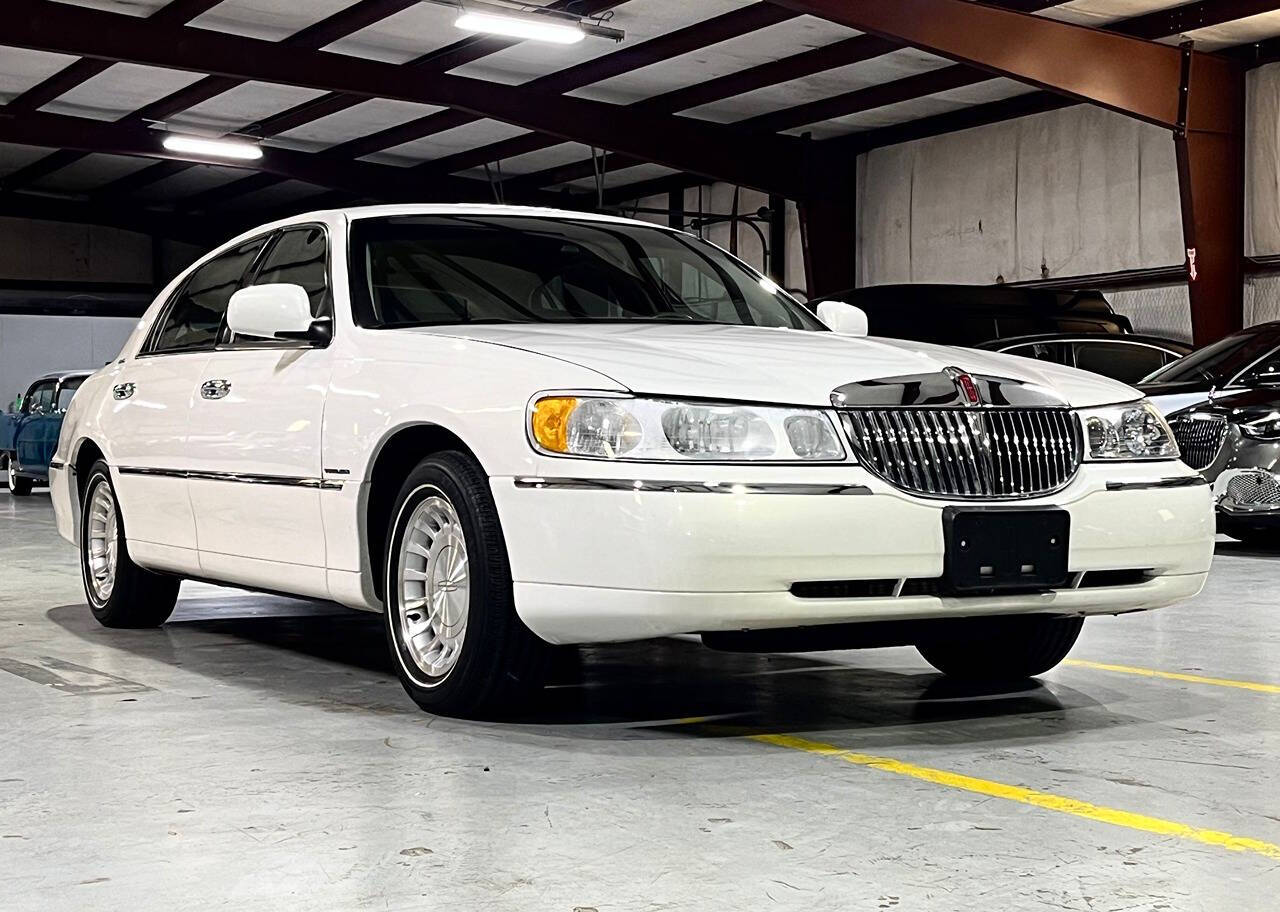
x=266, y=311
x=588, y=565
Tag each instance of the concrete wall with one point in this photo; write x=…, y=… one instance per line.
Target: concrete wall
x=31, y=346
x=33, y=250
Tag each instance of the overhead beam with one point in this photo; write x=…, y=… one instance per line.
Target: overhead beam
x=1160, y=24
x=1196, y=95
x=646, y=53
x=1134, y=77
x=770, y=163
x=385, y=182
x=797, y=66
x=440, y=60
x=177, y=12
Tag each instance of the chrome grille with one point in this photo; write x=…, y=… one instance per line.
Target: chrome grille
x=1254, y=489
x=1199, y=438
x=996, y=453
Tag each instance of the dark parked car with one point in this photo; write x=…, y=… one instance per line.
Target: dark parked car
x=1234, y=440
x=1127, y=358
x=968, y=315
x=29, y=435
x=1249, y=359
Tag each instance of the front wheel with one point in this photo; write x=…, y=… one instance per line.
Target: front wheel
x=451, y=623
x=120, y=593
x=18, y=485
x=1007, y=650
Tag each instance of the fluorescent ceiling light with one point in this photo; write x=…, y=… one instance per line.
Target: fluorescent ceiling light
x=532, y=27
x=213, y=148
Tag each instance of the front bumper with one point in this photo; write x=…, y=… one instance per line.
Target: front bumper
x=1248, y=497
x=607, y=561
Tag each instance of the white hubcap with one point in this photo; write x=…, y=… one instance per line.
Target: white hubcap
x=103, y=542
x=435, y=587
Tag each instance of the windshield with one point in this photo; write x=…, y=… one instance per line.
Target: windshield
x=451, y=269
x=1220, y=362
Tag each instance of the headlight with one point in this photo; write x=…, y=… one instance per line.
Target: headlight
x=1133, y=431
x=1265, y=428
x=659, y=430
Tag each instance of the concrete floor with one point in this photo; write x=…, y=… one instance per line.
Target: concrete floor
x=257, y=752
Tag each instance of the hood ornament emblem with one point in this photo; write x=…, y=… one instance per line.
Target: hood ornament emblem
x=965, y=386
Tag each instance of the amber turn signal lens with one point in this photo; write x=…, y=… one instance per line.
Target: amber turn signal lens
x=551, y=422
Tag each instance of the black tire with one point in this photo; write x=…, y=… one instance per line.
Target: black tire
x=18, y=485
x=137, y=597
x=500, y=663
x=1009, y=649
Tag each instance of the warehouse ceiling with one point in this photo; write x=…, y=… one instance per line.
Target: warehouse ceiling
x=721, y=80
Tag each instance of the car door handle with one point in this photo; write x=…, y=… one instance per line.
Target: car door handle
x=215, y=389
x=122, y=390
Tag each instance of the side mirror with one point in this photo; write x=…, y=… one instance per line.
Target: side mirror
x=275, y=311
x=843, y=318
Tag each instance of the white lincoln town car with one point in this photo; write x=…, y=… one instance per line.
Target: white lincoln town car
x=507, y=428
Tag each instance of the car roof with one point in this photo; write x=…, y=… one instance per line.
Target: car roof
x=61, y=375
x=408, y=209
x=1161, y=341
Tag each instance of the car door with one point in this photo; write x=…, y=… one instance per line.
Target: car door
x=152, y=397
x=31, y=429
x=256, y=484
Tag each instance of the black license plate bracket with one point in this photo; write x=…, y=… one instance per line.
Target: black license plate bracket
x=997, y=549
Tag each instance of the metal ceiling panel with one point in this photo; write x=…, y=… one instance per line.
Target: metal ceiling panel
x=269, y=19
x=21, y=69
x=186, y=183
x=640, y=19
x=762, y=46
x=624, y=176
x=276, y=195
x=409, y=34
x=1097, y=13
x=243, y=105
x=551, y=157
x=140, y=8
x=363, y=119
x=119, y=90
x=902, y=112
x=897, y=65
x=13, y=157
x=1242, y=31
x=91, y=172
x=448, y=142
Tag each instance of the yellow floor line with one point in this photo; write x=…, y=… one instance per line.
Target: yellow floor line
x=1030, y=796
x=1175, y=676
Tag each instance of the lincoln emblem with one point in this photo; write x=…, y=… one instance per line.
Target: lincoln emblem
x=965, y=386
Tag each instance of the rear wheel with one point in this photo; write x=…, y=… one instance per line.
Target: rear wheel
x=120, y=593
x=1008, y=650
x=450, y=615
x=18, y=485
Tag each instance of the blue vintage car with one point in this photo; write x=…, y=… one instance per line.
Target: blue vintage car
x=29, y=431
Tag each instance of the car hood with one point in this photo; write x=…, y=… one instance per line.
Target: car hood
x=756, y=364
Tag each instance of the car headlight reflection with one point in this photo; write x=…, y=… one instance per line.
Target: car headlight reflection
x=668, y=430
x=1134, y=431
